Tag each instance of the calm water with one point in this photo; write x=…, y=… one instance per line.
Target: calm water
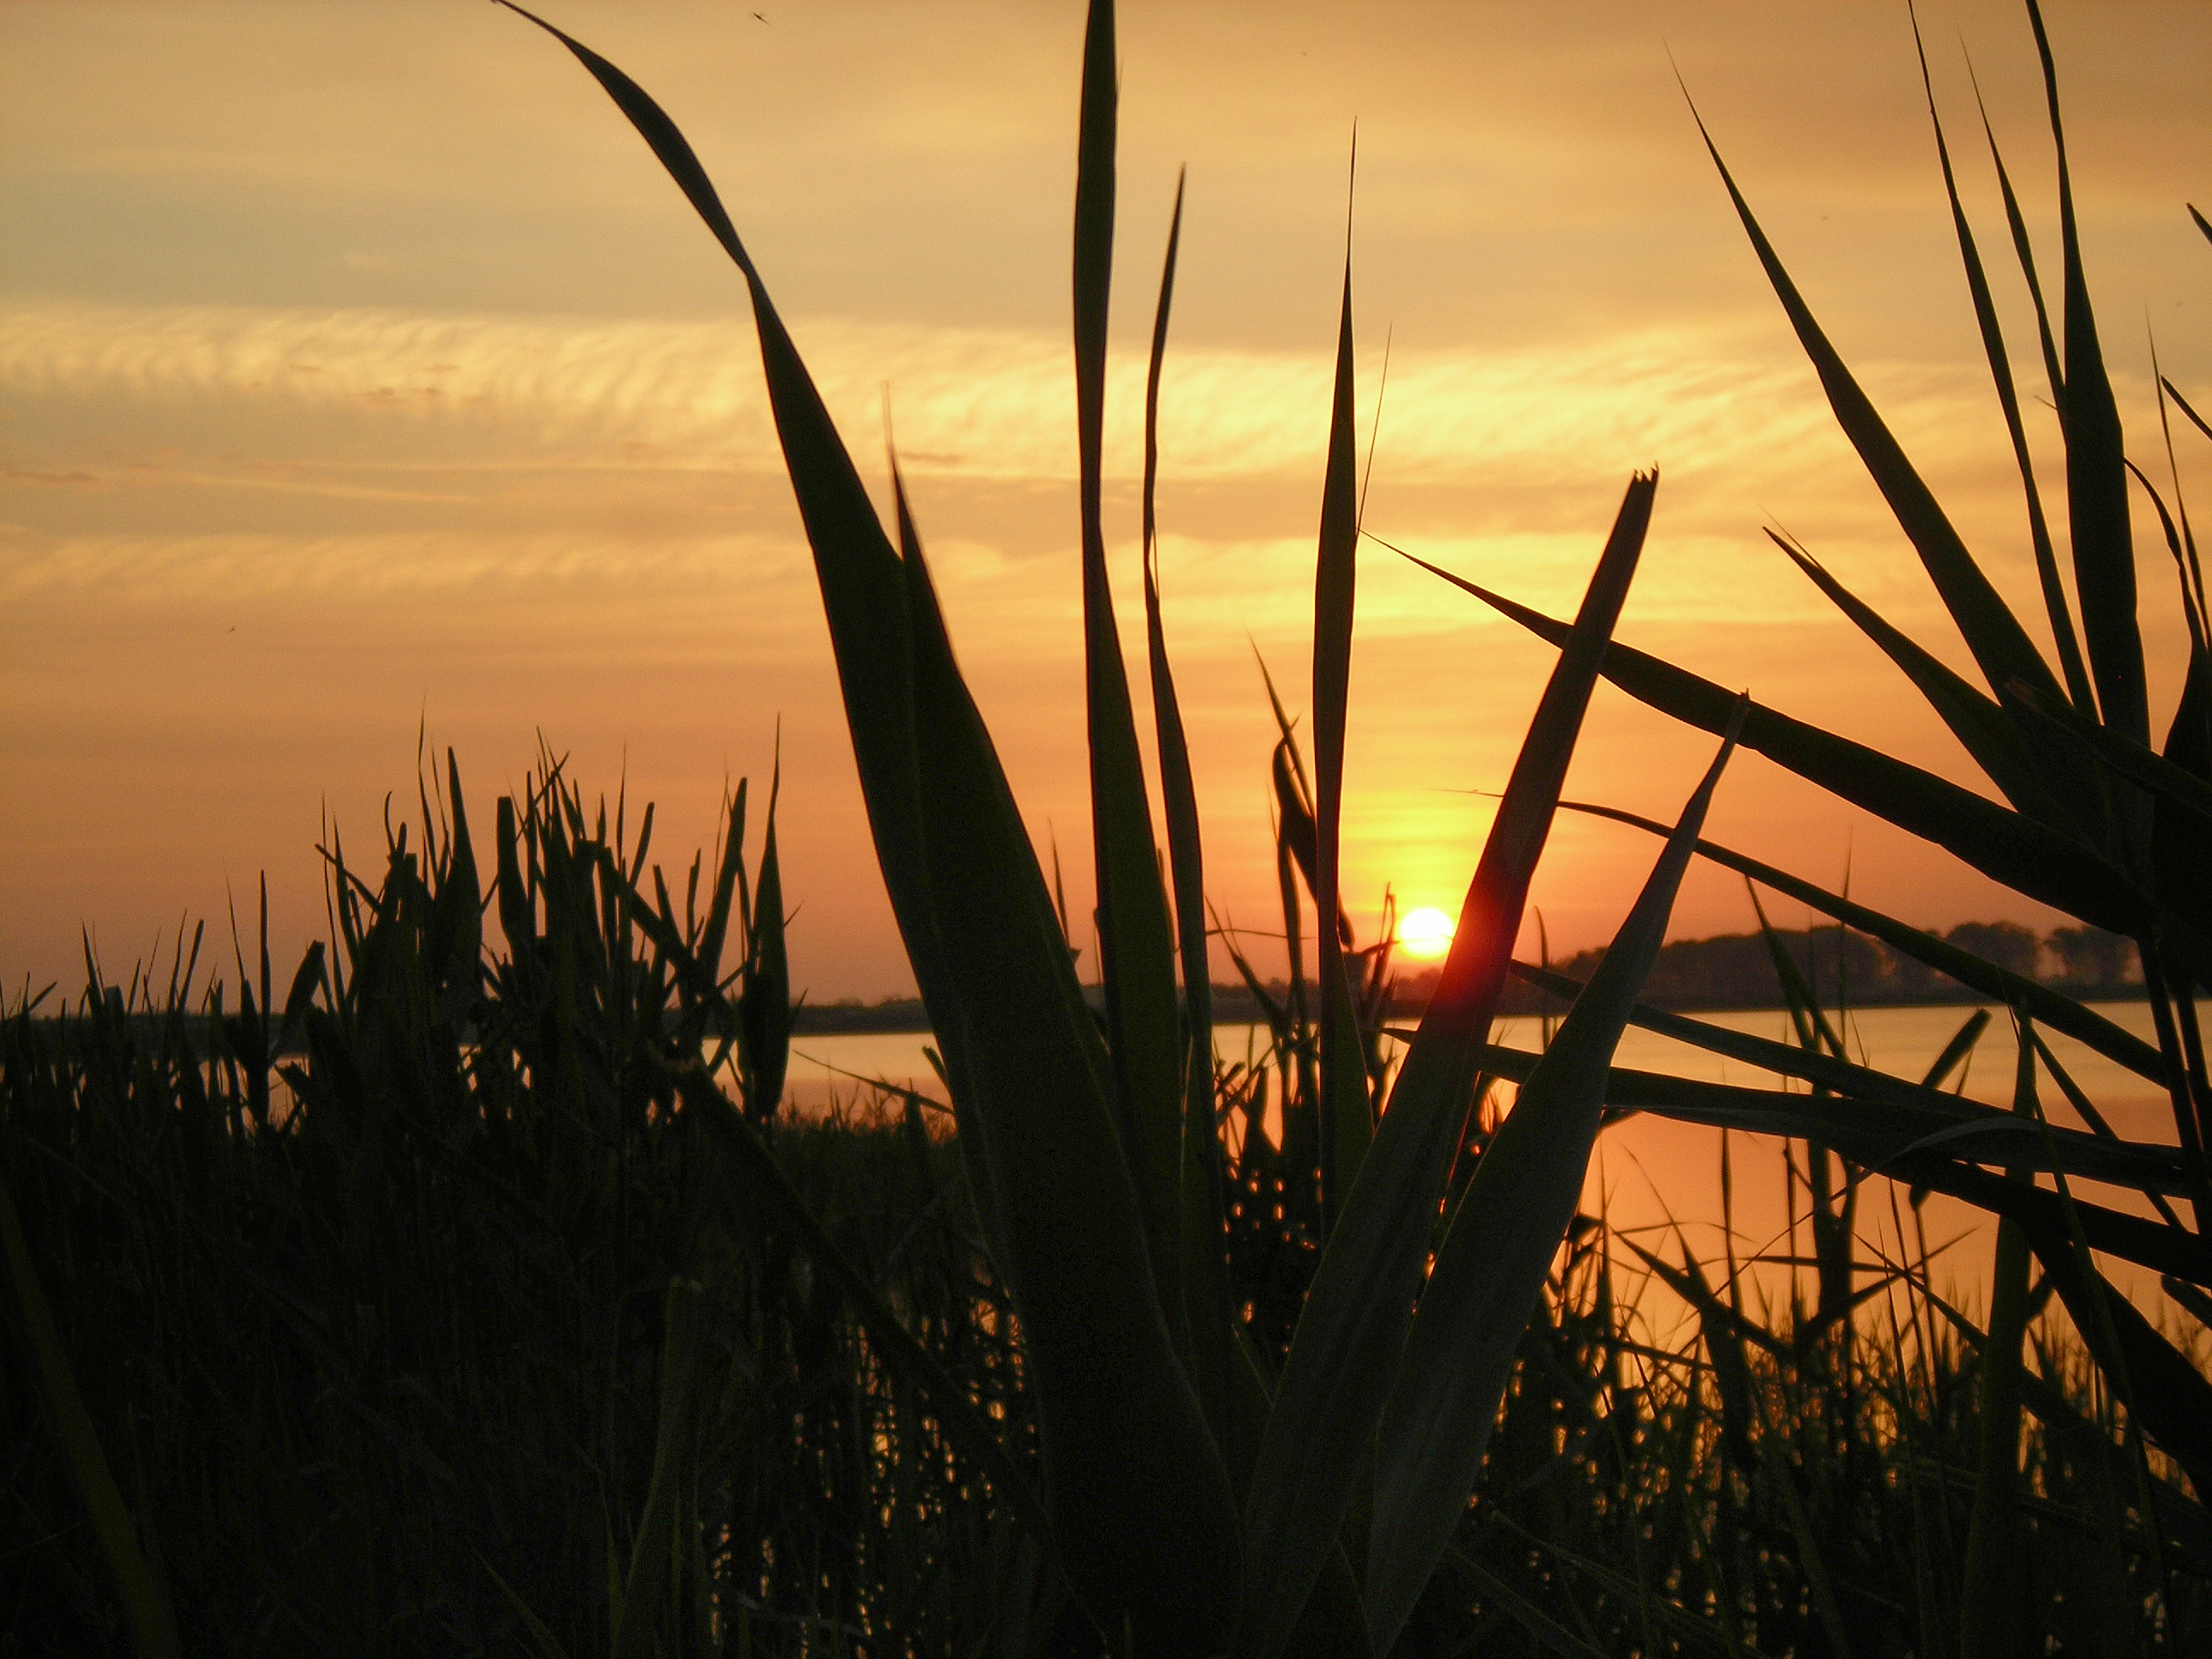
x=1652, y=1175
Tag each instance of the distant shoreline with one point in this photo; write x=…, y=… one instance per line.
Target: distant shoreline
x=1234, y=1005
x=1237, y=1007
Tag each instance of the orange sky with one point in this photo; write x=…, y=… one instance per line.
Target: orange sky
x=360, y=371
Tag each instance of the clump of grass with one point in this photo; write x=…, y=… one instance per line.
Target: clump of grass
x=371, y=1376
x=428, y=1317
x=1202, y=1495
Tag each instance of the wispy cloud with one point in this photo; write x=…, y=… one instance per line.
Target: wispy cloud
x=974, y=403
x=143, y=570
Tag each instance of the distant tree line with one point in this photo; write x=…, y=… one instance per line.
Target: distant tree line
x=1737, y=970
x=1734, y=971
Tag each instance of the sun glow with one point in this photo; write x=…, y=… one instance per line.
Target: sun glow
x=1425, y=933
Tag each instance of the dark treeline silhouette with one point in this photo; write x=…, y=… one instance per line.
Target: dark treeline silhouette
x=1737, y=970
x=1734, y=971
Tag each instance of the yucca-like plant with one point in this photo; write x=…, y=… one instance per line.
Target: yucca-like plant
x=1202, y=1494
x=1199, y=1497
x=2100, y=816
x=416, y=1310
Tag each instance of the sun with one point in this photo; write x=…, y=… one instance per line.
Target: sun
x=1424, y=934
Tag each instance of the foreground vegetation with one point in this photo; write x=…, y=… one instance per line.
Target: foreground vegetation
x=480, y=1330
x=527, y=1325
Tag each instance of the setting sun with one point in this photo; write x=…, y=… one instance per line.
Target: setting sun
x=1427, y=933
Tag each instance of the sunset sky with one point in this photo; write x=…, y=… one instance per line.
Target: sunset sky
x=360, y=372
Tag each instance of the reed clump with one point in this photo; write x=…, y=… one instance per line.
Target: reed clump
x=464, y=1329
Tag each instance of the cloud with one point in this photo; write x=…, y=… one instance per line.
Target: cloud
x=968, y=402
x=147, y=569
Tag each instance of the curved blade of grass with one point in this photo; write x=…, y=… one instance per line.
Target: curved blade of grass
x=2046, y=1006
x=2152, y=1168
x=1140, y=1504
x=1999, y=361
x=1136, y=942
x=2004, y=845
x=1960, y=1045
x=1992, y=633
x=1137, y=1491
x=946, y=1019
x=1345, y=1128
x=2180, y=540
x=860, y=575
x=2166, y=1394
x=2186, y=407
x=1849, y=1128
x=1202, y=1278
x=2138, y=763
x=456, y=913
x=2023, y=252
x=1490, y=1267
x=145, y=1600
x=1983, y=1133
x=764, y=1004
x=2022, y=771
x=1344, y=1355
x=2096, y=482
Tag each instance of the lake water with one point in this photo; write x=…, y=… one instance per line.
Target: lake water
x=1652, y=1175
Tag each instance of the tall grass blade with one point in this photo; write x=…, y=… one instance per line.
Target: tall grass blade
x=1202, y=1279
x=1344, y=1355
x=2006, y=846
x=2151, y=1167
x=2168, y=1395
x=1140, y=1504
x=2030, y=776
x=2047, y=1006
x=974, y=1137
x=1494, y=1259
x=1992, y=633
x=764, y=1004
x=1345, y=1128
x=2096, y=481
x=1869, y=1136
x=860, y=575
x=2173, y=785
x=1140, y=1497
x=1136, y=942
x=2024, y=252
x=1999, y=361
x=457, y=915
